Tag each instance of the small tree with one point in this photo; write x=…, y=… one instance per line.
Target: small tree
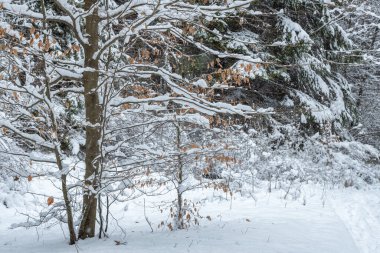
x=102, y=52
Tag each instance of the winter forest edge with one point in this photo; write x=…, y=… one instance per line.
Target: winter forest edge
x=190, y=126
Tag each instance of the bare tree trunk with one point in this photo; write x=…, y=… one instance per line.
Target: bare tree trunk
x=93, y=124
x=69, y=212
x=65, y=192
x=57, y=151
x=107, y=214
x=179, y=217
x=100, y=211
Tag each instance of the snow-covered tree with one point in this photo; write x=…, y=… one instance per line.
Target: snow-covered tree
x=147, y=97
x=361, y=21
x=299, y=72
x=74, y=67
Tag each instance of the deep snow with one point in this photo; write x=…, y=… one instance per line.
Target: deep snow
x=360, y=212
x=336, y=221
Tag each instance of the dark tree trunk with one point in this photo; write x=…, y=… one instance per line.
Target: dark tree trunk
x=93, y=125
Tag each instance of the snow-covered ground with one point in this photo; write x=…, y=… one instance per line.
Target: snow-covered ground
x=336, y=221
x=360, y=212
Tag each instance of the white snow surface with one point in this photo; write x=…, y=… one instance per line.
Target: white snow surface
x=361, y=215
x=336, y=221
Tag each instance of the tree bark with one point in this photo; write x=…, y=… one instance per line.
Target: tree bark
x=179, y=218
x=93, y=124
x=57, y=151
x=69, y=212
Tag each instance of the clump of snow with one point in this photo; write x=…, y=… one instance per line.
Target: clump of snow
x=201, y=83
x=247, y=69
x=287, y=102
x=293, y=32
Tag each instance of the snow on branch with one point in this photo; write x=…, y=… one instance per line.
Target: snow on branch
x=34, y=138
x=179, y=33
x=72, y=19
x=31, y=157
x=213, y=8
x=24, y=10
x=174, y=6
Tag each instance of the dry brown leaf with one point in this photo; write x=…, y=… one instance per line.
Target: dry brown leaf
x=47, y=45
x=50, y=200
x=76, y=48
x=193, y=146
x=14, y=51
x=16, y=96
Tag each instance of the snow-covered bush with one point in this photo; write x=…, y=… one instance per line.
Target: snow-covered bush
x=14, y=174
x=285, y=160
